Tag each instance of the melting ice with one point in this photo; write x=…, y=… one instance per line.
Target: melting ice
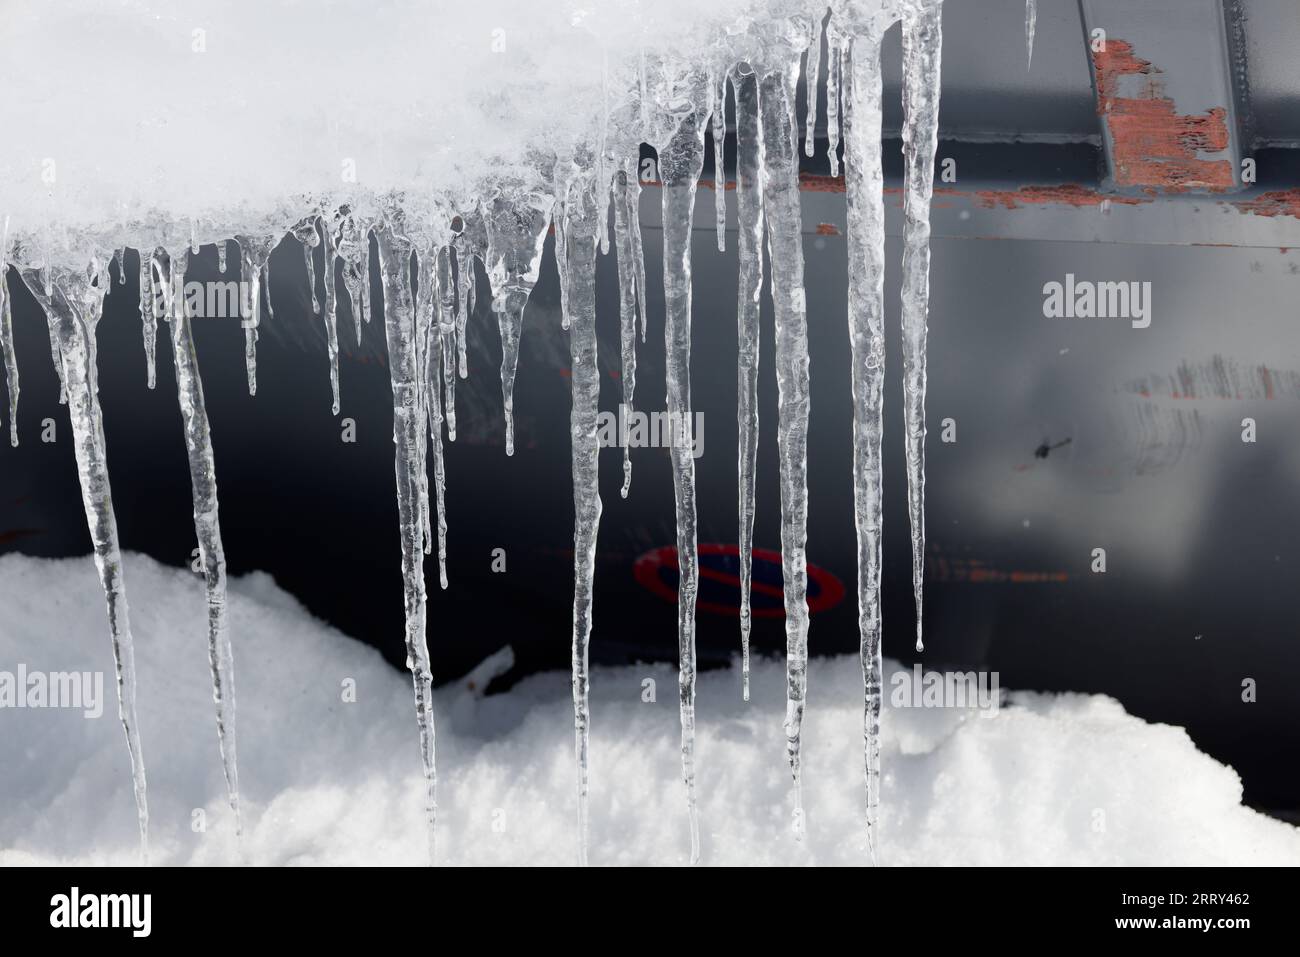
x=460, y=157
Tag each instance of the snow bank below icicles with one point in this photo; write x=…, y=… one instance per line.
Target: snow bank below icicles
x=327, y=782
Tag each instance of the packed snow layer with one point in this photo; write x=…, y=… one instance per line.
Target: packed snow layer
x=329, y=782
x=129, y=119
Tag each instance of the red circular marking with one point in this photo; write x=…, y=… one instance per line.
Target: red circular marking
x=647, y=571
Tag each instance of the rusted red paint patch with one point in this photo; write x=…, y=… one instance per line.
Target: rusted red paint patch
x=1065, y=195
x=1282, y=202
x=815, y=183
x=827, y=229
x=1152, y=144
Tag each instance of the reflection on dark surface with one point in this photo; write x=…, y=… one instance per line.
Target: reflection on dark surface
x=1070, y=436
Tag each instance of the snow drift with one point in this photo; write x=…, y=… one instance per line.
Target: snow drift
x=1067, y=779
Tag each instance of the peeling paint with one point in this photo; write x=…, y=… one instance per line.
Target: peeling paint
x=1152, y=144
x=1064, y=195
x=1283, y=202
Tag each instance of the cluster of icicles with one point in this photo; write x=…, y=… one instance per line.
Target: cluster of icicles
x=505, y=230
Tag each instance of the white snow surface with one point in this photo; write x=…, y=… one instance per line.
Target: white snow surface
x=329, y=782
x=131, y=120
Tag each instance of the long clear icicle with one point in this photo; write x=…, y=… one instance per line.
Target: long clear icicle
x=56, y=354
x=922, y=45
x=558, y=216
x=785, y=246
x=408, y=424
x=864, y=178
x=580, y=250
x=834, y=72
x=427, y=328
x=331, y=311
x=73, y=306
x=749, y=206
x=680, y=164
x=719, y=93
x=421, y=335
x=625, y=193
x=516, y=236
x=305, y=233
x=447, y=330
x=254, y=255
x=354, y=250
x=7, y=346
x=148, y=317
x=1031, y=18
x=638, y=253
x=309, y=233
x=464, y=293
x=207, y=525
x=435, y=436
x=811, y=81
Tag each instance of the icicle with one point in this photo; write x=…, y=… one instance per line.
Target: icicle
x=516, y=235
x=330, y=311
x=421, y=329
x=447, y=329
x=749, y=206
x=634, y=229
x=433, y=370
x=207, y=526
x=864, y=178
x=148, y=317
x=221, y=256
x=55, y=352
x=354, y=250
x=305, y=233
x=510, y=322
x=1031, y=18
x=922, y=45
x=561, y=260
x=331, y=314
x=679, y=168
x=811, y=82
x=624, y=195
x=431, y=339
x=718, y=90
x=254, y=256
x=7, y=345
x=785, y=248
x=73, y=307
x=7, y=336
x=194, y=238
x=464, y=285
x=581, y=213
x=266, y=287
x=408, y=425
x=119, y=263
x=833, y=72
